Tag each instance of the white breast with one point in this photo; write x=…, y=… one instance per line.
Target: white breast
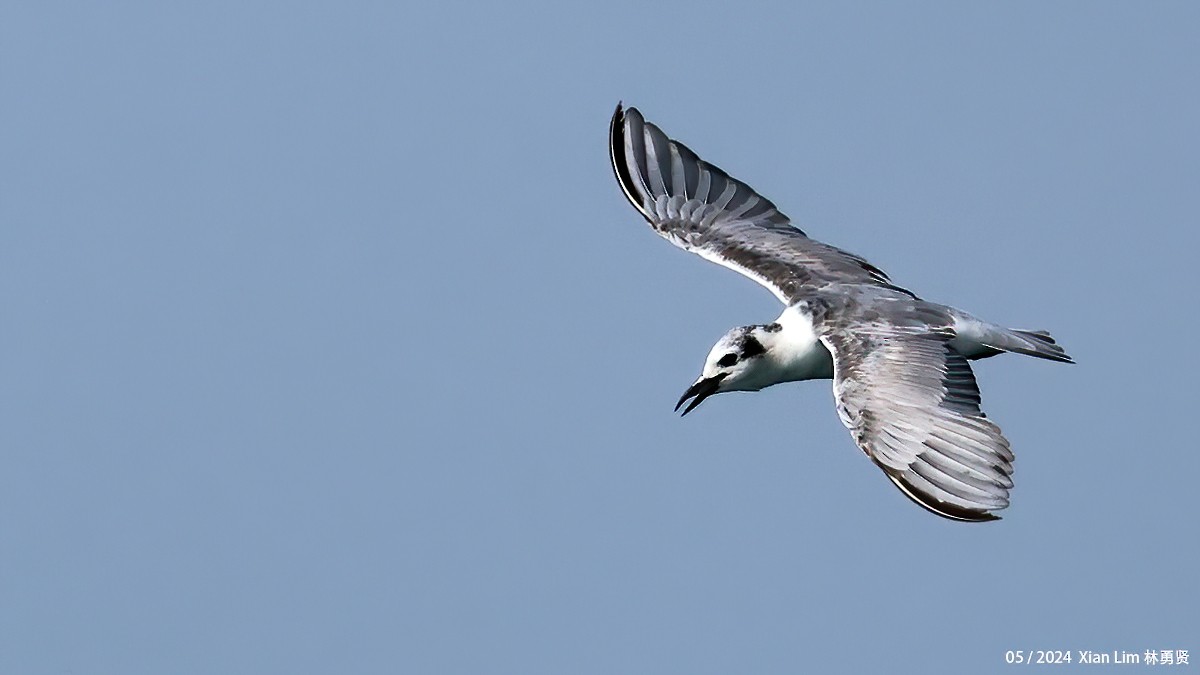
x=797, y=351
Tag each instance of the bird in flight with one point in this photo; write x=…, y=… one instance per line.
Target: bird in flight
x=902, y=381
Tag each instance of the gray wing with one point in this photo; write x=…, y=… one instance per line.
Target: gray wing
x=701, y=209
x=911, y=403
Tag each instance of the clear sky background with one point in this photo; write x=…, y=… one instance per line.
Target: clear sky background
x=331, y=346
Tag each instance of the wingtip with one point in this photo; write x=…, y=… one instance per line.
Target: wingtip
x=940, y=508
x=616, y=140
x=615, y=129
x=623, y=111
x=619, y=114
x=616, y=153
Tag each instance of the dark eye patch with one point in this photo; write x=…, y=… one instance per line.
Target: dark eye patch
x=752, y=348
x=727, y=360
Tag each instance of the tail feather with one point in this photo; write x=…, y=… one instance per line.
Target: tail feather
x=1037, y=343
x=1043, y=335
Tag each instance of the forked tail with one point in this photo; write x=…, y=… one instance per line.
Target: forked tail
x=977, y=339
x=1037, y=343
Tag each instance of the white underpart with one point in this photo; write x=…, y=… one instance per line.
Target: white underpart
x=796, y=351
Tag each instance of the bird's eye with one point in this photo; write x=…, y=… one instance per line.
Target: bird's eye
x=727, y=360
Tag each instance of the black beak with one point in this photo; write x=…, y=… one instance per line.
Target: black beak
x=701, y=390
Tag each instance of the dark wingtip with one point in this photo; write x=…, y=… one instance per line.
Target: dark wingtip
x=947, y=511
x=616, y=153
x=958, y=514
x=616, y=137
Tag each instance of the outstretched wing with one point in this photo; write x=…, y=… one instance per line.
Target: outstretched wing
x=701, y=209
x=911, y=403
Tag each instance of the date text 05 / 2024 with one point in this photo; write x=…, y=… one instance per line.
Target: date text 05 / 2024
x=1056, y=656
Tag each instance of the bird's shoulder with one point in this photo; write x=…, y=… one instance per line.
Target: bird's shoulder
x=855, y=309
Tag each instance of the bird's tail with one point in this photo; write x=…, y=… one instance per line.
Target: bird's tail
x=976, y=339
x=1037, y=343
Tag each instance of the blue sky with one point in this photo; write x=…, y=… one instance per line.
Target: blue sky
x=332, y=346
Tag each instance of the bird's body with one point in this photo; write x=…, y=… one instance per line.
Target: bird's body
x=797, y=353
x=902, y=381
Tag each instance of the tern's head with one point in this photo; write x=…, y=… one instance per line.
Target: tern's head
x=738, y=362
